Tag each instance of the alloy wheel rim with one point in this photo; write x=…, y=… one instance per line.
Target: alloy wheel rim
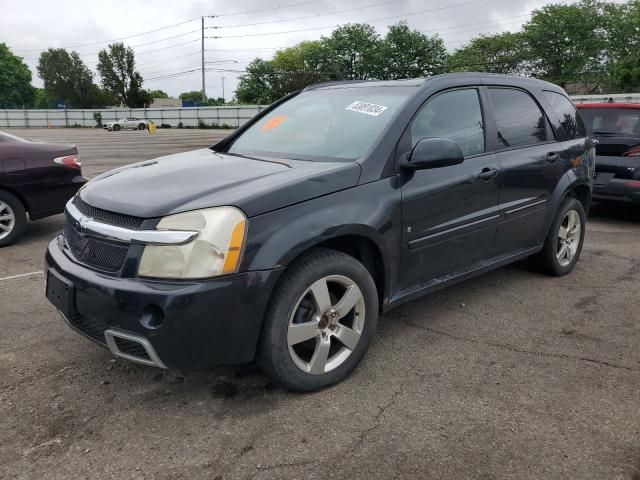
x=326, y=324
x=568, y=238
x=7, y=220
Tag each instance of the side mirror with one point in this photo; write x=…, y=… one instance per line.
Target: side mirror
x=433, y=152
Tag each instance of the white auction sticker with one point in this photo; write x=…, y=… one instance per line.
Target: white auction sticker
x=366, y=108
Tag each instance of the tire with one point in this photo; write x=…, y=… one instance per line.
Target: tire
x=13, y=218
x=551, y=260
x=116, y=128
x=298, y=364
x=142, y=126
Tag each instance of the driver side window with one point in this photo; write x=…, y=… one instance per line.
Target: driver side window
x=456, y=115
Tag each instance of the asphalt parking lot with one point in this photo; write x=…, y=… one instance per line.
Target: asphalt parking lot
x=510, y=375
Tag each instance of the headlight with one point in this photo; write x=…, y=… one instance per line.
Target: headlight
x=216, y=250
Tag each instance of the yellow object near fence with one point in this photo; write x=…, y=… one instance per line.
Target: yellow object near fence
x=151, y=127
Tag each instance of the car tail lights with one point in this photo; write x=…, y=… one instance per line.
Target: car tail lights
x=633, y=184
x=634, y=152
x=71, y=161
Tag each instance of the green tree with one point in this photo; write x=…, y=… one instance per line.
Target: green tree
x=500, y=53
x=67, y=78
x=158, y=94
x=43, y=99
x=568, y=43
x=192, y=96
x=259, y=84
x=119, y=76
x=625, y=75
x=16, y=90
x=352, y=52
x=407, y=53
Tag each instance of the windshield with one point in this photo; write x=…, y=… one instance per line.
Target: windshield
x=327, y=124
x=616, y=121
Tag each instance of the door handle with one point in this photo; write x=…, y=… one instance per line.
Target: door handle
x=487, y=173
x=552, y=157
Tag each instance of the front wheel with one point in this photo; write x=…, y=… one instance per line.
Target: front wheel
x=320, y=322
x=116, y=128
x=565, y=240
x=142, y=126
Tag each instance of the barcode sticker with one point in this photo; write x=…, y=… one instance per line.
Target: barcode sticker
x=366, y=108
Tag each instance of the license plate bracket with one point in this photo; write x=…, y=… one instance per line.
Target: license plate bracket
x=61, y=293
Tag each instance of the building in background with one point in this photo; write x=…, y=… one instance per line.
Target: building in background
x=165, y=103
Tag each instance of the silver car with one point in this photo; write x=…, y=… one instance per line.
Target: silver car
x=127, y=122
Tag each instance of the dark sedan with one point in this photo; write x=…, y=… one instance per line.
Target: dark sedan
x=36, y=181
x=616, y=126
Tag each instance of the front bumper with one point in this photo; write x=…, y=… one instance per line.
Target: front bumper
x=195, y=324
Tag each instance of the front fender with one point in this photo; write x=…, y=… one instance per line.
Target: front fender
x=371, y=211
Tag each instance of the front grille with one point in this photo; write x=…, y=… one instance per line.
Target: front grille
x=104, y=216
x=93, y=329
x=100, y=254
x=134, y=349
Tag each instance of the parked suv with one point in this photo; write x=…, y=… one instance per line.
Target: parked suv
x=616, y=127
x=283, y=242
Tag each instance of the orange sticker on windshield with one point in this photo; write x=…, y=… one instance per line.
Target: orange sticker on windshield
x=274, y=123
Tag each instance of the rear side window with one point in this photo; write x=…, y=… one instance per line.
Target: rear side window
x=456, y=115
x=519, y=120
x=571, y=122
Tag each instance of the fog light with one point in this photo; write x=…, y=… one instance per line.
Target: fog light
x=151, y=317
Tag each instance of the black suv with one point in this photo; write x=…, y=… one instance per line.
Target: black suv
x=283, y=242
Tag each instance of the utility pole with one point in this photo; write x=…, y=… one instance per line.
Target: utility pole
x=204, y=93
x=223, y=99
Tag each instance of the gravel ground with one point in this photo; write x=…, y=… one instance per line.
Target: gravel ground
x=510, y=375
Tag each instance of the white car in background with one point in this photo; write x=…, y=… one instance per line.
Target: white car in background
x=127, y=122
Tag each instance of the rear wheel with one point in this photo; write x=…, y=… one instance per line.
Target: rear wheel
x=13, y=218
x=565, y=239
x=320, y=322
x=142, y=126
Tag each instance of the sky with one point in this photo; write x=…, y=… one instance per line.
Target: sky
x=169, y=58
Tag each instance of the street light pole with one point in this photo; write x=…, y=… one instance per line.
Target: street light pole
x=223, y=98
x=204, y=93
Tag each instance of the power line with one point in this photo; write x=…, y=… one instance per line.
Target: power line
x=342, y=24
x=309, y=16
x=298, y=4
x=113, y=39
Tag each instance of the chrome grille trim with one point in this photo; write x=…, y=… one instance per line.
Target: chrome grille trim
x=86, y=225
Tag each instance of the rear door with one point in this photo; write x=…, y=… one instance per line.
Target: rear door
x=449, y=214
x=531, y=166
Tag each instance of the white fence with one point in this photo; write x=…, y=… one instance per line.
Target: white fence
x=188, y=116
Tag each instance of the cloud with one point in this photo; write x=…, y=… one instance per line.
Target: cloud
x=30, y=24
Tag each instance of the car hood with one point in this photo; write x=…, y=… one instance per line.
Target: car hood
x=204, y=178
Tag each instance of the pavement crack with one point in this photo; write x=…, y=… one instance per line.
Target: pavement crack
x=377, y=419
x=521, y=350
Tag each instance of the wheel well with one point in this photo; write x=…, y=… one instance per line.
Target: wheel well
x=366, y=252
x=583, y=195
x=18, y=196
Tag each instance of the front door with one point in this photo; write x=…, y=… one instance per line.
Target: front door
x=449, y=214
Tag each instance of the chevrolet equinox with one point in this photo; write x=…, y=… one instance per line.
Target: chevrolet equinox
x=283, y=242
